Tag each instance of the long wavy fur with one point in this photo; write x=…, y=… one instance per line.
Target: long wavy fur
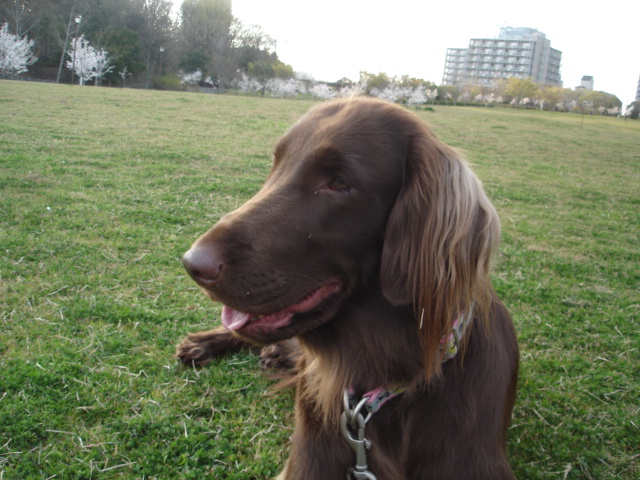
x=440, y=243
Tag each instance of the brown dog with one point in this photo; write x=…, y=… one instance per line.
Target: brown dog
x=371, y=244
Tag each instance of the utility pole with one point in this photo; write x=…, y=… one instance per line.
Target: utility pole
x=78, y=19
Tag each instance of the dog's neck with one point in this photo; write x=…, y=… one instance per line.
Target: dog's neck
x=347, y=352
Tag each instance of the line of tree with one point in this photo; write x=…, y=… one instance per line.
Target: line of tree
x=514, y=92
x=145, y=43
x=524, y=92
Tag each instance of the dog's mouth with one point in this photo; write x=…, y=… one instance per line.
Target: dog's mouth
x=246, y=323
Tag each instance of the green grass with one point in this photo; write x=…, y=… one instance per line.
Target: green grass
x=102, y=190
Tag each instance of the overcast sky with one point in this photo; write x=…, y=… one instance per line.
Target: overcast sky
x=330, y=39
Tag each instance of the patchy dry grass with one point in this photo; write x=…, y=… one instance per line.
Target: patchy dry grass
x=103, y=189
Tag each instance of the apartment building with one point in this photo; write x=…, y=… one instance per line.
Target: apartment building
x=517, y=52
x=586, y=83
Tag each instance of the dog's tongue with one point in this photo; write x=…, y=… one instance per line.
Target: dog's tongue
x=233, y=319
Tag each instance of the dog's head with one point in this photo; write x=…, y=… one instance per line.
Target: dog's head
x=361, y=192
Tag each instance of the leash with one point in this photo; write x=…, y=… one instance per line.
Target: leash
x=353, y=421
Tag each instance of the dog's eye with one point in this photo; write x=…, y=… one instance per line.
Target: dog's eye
x=337, y=184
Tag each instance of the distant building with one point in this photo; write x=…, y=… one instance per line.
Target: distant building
x=518, y=52
x=638, y=91
x=587, y=83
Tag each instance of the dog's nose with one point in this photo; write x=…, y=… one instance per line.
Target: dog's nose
x=203, y=265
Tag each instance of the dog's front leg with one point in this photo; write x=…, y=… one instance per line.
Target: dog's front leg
x=202, y=347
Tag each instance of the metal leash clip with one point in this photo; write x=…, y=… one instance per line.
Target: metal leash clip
x=352, y=424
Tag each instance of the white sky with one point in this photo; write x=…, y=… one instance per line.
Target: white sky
x=330, y=39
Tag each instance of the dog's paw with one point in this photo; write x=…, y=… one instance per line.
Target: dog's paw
x=200, y=348
x=192, y=352
x=281, y=356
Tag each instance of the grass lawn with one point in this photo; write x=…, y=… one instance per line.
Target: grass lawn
x=102, y=190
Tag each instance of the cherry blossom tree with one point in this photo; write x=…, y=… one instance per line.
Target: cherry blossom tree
x=124, y=73
x=418, y=96
x=390, y=93
x=86, y=61
x=192, y=78
x=102, y=66
x=248, y=84
x=323, y=91
x=281, y=87
x=15, y=53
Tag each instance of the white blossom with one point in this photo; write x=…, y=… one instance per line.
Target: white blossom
x=354, y=90
x=15, y=53
x=86, y=61
x=248, y=84
x=323, y=91
x=390, y=93
x=102, y=66
x=418, y=96
x=190, y=78
x=285, y=87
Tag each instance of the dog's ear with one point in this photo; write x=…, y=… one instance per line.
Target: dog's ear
x=439, y=244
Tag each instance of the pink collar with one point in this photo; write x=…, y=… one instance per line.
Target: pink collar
x=451, y=343
x=373, y=400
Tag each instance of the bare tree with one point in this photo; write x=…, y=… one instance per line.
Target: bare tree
x=156, y=31
x=20, y=16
